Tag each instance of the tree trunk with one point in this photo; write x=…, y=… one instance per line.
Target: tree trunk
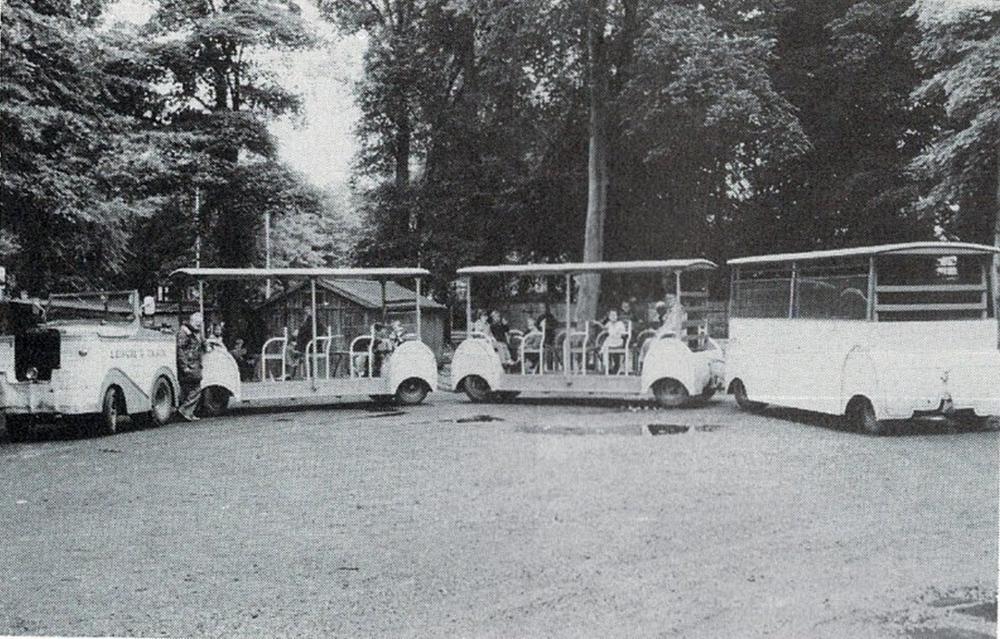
x=597, y=168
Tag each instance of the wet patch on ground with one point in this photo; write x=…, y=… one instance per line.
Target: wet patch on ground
x=388, y=413
x=987, y=611
x=576, y=429
x=667, y=429
x=961, y=613
x=947, y=633
x=475, y=419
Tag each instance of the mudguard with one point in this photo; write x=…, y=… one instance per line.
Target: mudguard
x=136, y=398
x=218, y=368
x=669, y=357
x=860, y=377
x=476, y=357
x=411, y=359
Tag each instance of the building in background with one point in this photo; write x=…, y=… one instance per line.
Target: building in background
x=348, y=308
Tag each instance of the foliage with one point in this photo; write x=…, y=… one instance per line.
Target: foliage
x=959, y=51
x=62, y=205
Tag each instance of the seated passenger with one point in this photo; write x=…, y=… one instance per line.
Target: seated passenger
x=617, y=335
x=482, y=323
x=499, y=331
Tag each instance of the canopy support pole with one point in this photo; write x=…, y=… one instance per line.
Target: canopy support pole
x=567, y=349
x=791, y=289
x=872, y=289
x=468, y=306
x=384, y=311
x=201, y=305
x=420, y=336
x=311, y=363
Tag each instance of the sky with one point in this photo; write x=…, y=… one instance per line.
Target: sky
x=320, y=142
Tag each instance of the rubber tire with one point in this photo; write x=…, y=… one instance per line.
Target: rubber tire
x=477, y=389
x=861, y=416
x=743, y=400
x=18, y=428
x=214, y=401
x=162, y=400
x=411, y=391
x=108, y=422
x=670, y=393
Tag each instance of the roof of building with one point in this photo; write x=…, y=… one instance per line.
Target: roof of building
x=367, y=293
x=298, y=273
x=906, y=248
x=570, y=268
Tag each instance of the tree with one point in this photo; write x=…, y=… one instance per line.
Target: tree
x=207, y=53
x=846, y=68
x=64, y=205
x=960, y=168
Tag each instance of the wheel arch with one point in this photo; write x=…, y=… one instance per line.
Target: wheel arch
x=411, y=360
x=135, y=399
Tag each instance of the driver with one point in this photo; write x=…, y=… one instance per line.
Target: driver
x=190, y=347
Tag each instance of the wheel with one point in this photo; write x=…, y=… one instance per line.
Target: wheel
x=214, y=401
x=477, y=389
x=162, y=403
x=18, y=428
x=744, y=401
x=861, y=416
x=112, y=411
x=670, y=393
x=411, y=392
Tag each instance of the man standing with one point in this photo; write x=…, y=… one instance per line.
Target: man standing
x=190, y=346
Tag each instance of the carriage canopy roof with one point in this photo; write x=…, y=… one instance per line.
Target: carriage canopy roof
x=570, y=268
x=907, y=248
x=298, y=273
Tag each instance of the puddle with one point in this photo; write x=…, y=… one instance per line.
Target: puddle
x=566, y=429
x=478, y=418
x=667, y=429
x=987, y=611
x=946, y=633
x=708, y=428
x=948, y=602
x=391, y=413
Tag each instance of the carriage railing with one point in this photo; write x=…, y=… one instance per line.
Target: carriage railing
x=363, y=345
x=318, y=352
x=275, y=350
x=931, y=301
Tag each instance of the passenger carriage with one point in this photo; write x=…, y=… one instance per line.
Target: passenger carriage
x=675, y=367
x=875, y=333
x=333, y=366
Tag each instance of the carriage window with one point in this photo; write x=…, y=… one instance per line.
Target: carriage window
x=832, y=292
x=932, y=287
x=762, y=293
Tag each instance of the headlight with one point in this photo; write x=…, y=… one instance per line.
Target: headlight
x=31, y=374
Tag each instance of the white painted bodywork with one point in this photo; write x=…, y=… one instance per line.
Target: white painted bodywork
x=901, y=367
x=218, y=368
x=666, y=358
x=92, y=358
x=408, y=360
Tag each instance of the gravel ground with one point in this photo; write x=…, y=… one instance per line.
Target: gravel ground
x=548, y=520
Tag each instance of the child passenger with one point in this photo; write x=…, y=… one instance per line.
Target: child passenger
x=617, y=334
